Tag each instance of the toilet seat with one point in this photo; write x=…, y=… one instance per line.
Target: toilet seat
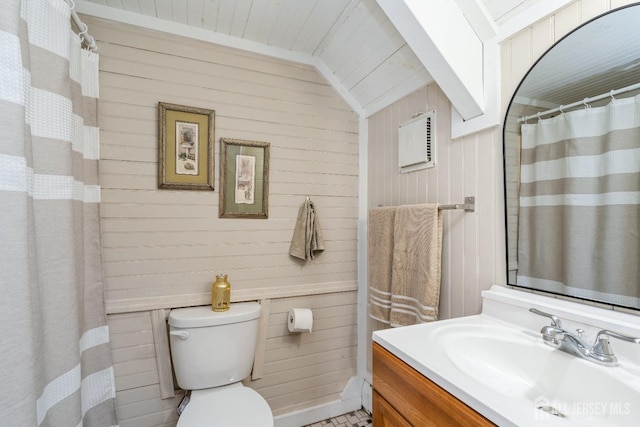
x=233, y=405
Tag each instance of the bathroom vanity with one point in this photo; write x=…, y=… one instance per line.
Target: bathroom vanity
x=496, y=368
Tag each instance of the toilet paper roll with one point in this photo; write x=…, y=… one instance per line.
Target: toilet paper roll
x=300, y=320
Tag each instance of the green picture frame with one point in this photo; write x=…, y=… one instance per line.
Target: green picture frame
x=244, y=179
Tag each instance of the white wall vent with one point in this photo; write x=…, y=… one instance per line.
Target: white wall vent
x=416, y=143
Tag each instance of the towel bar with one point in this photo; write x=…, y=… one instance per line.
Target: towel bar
x=468, y=206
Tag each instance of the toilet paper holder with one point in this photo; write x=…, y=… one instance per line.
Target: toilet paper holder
x=300, y=320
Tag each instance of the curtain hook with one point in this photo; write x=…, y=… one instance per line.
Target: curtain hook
x=586, y=106
x=72, y=4
x=613, y=99
x=85, y=31
x=561, y=108
x=539, y=118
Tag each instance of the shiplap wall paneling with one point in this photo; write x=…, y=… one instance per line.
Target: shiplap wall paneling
x=159, y=243
x=168, y=244
x=138, y=402
x=442, y=184
x=302, y=370
x=466, y=166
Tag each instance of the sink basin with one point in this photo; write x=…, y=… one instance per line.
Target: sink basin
x=501, y=368
x=518, y=365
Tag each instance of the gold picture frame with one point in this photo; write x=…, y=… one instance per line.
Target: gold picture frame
x=185, y=147
x=244, y=179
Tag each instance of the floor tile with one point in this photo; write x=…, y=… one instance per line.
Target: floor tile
x=358, y=418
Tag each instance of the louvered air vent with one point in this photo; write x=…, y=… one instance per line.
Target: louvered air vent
x=416, y=143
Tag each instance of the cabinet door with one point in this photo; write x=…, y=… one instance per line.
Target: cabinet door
x=420, y=401
x=384, y=415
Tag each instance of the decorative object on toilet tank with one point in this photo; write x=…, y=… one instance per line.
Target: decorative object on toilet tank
x=185, y=147
x=244, y=179
x=220, y=293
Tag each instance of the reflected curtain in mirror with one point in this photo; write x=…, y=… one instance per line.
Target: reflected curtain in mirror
x=580, y=203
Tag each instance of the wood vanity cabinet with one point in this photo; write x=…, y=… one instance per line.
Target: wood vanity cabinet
x=403, y=397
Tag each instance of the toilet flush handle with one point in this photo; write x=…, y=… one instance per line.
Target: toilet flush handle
x=182, y=334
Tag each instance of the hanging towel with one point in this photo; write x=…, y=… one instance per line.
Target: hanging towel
x=379, y=261
x=307, y=237
x=417, y=254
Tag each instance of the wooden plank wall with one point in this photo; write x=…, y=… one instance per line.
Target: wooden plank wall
x=163, y=248
x=309, y=369
x=164, y=242
x=464, y=167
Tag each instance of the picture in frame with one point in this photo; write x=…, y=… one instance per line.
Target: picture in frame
x=244, y=179
x=185, y=147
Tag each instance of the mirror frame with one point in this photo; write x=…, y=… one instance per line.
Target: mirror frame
x=504, y=160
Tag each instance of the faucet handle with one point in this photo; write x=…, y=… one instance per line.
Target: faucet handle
x=602, y=345
x=555, y=321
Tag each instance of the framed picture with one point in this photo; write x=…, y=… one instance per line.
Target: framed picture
x=244, y=179
x=185, y=147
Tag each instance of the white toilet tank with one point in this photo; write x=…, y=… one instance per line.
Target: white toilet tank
x=211, y=349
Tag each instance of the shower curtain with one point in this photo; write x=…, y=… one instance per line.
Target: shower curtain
x=56, y=365
x=579, y=226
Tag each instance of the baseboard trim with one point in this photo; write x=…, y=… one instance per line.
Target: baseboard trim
x=350, y=400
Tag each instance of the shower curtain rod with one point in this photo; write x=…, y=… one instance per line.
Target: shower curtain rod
x=84, y=30
x=585, y=101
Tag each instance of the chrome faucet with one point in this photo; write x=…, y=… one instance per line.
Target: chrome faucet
x=600, y=352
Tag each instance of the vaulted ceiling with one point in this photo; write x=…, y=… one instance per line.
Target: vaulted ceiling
x=367, y=56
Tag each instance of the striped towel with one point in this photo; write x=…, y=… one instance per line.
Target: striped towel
x=417, y=258
x=404, y=258
x=380, y=257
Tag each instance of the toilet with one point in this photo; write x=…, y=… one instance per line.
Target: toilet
x=212, y=353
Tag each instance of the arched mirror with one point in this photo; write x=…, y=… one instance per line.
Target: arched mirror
x=572, y=166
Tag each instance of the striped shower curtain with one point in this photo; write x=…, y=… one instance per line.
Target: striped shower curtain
x=579, y=220
x=56, y=367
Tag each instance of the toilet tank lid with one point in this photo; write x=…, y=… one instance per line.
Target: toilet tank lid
x=196, y=317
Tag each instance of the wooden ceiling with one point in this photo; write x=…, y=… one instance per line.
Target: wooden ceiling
x=352, y=42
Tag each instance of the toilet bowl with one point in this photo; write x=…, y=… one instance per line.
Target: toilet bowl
x=233, y=405
x=212, y=353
